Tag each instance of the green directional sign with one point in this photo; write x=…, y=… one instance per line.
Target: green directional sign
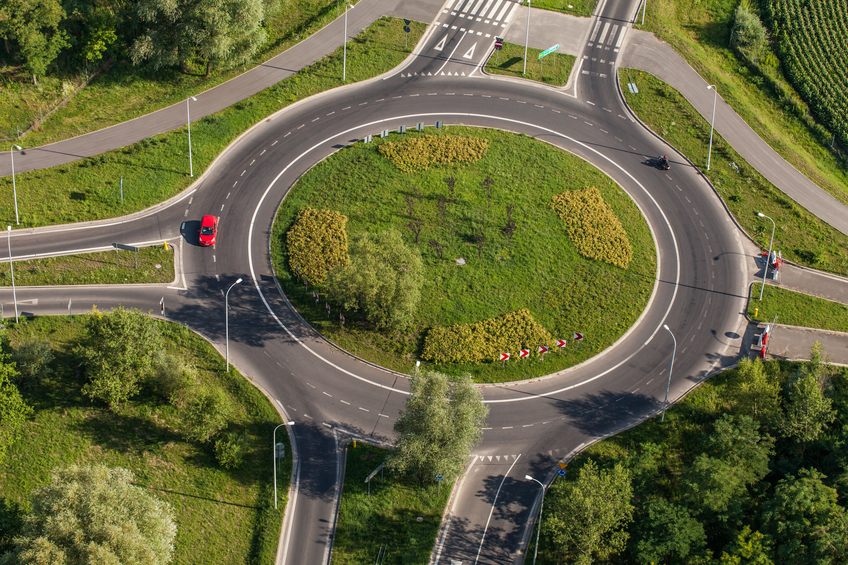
x=549, y=51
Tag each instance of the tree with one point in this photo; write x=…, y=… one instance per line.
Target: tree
x=749, y=548
x=118, y=352
x=667, y=533
x=807, y=411
x=32, y=360
x=757, y=391
x=804, y=521
x=440, y=425
x=749, y=34
x=13, y=410
x=205, y=414
x=94, y=515
x=383, y=279
x=589, y=516
x=34, y=26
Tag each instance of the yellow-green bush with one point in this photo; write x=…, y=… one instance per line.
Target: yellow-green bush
x=418, y=153
x=593, y=227
x=486, y=340
x=317, y=242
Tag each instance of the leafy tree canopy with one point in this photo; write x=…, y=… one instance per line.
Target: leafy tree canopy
x=667, y=533
x=13, y=410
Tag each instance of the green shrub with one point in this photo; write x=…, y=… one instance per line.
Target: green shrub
x=418, y=153
x=32, y=360
x=593, y=227
x=317, y=242
x=486, y=340
x=205, y=414
x=229, y=450
x=172, y=379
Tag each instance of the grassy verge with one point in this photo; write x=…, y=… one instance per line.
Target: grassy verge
x=801, y=236
x=554, y=69
x=699, y=30
x=583, y=8
x=155, y=169
x=124, y=91
x=222, y=516
x=797, y=309
x=537, y=269
x=386, y=523
x=155, y=265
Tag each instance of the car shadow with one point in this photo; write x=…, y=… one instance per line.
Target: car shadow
x=190, y=230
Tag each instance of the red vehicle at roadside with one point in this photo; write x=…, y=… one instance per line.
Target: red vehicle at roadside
x=208, y=230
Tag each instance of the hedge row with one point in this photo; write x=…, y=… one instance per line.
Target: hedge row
x=317, y=242
x=418, y=153
x=593, y=227
x=486, y=340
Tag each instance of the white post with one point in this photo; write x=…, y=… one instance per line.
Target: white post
x=274, y=450
x=712, y=122
x=227, y=321
x=667, y=386
x=12, y=267
x=188, y=121
x=344, y=50
x=539, y=524
x=768, y=256
x=644, y=8
x=14, y=188
x=526, y=38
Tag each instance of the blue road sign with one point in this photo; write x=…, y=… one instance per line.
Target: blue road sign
x=549, y=51
x=407, y=29
x=561, y=472
x=439, y=477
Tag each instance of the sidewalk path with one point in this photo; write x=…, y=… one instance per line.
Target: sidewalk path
x=645, y=52
x=794, y=343
x=305, y=53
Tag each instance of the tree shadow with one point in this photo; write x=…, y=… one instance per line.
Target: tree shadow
x=608, y=412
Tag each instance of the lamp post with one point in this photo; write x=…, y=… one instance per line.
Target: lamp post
x=274, y=446
x=673, y=352
x=14, y=188
x=227, y=316
x=12, y=267
x=344, y=51
x=715, y=99
x=644, y=8
x=768, y=257
x=526, y=38
x=539, y=525
x=188, y=121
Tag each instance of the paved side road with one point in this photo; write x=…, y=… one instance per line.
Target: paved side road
x=645, y=52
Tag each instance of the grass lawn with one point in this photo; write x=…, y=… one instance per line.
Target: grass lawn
x=797, y=309
x=222, y=516
x=699, y=30
x=554, y=68
x=124, y=91
x=583, y=8
x=386, y=523
x=156, y=168
x=155, y=265
x=538, y=269
x=801, y=236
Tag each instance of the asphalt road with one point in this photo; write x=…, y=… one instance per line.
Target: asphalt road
x=699, y=292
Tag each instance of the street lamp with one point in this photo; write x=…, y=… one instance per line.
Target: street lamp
x=289, y=423
x=539, y=525
x=715, y=99
x=673, y=352
x=768, y=257
x=14, y=189
x=188, y=121
x=344, y=57
x=526, y=38
x=644, y=8
x=227, y=322
x=11, y=266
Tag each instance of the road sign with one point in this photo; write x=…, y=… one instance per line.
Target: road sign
x=439, y=124
x=439, y=477
x=561, y=472
x=406, y=29
x=498, y=43
x=407, y=22
x=367, y=139
x=560, y=343
x=524, y=353
x=125, y=247
x=578, y=337
x=504, y=357
x=401, y=129
x=542, y=349
x=280, y=451
x=315, y=296
x=549, y=51
x=562, y=465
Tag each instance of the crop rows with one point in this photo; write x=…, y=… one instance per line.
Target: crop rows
x=813, y=38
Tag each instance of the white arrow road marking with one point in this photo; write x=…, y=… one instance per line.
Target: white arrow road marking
x=470, y=52
x=441, y=44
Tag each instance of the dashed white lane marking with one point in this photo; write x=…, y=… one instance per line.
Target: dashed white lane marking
x=527, y=426
x=572, y=117
x=300, y=126
x=363, y=409
x=411, y=95
x=486, y=95
x=345, y=402
x=305, y=415
x=263, y=152
x=288, y=134
x=242, y=173
x=468, y=95
x=363, y=103
x=557, y=111
x=521, y=101
x=381, y=100
x=327, y=393
x=383, y=416
x=222, y=208
x=631, y=147
x=502, y=98
x=395, y=97
x=506, y=428
x=538, y=106
x=622, y=117
x=251, y=163
x=450, y=93
x=606, y=110
x=186, y=214
x=190, y=200
x=331, y=113
x=326, y=424
x=234, y=184
x=588, y=123
x=603, y=130
x=668, y=177
x=348, y=108
x=649, y=382
x=618, y=138
x=275, y=143
x=313, y=386
x=635, y=391
x=592, y=103
x=214, y=259
x=228, y=196
x=315, y=120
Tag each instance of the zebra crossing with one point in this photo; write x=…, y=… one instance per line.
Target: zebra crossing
x=603, y=35
x=488, y=12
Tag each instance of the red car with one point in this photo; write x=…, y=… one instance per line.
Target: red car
x=208, y=230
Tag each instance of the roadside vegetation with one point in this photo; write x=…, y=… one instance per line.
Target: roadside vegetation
x=155, y=169
x=750, y=467
x=122, y=390
x=801, y=236
x=553, y=70
x=583, y=8
x=796, y=309
x=454, y=249
x=750, y=74
x=133, y=68
x=155, y=265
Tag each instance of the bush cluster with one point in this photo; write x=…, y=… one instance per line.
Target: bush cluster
x=317, y=242
x=418, y=153
x=593, y=227
x=485, y=340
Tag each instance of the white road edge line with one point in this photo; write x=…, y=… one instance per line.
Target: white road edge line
x=479, y=549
